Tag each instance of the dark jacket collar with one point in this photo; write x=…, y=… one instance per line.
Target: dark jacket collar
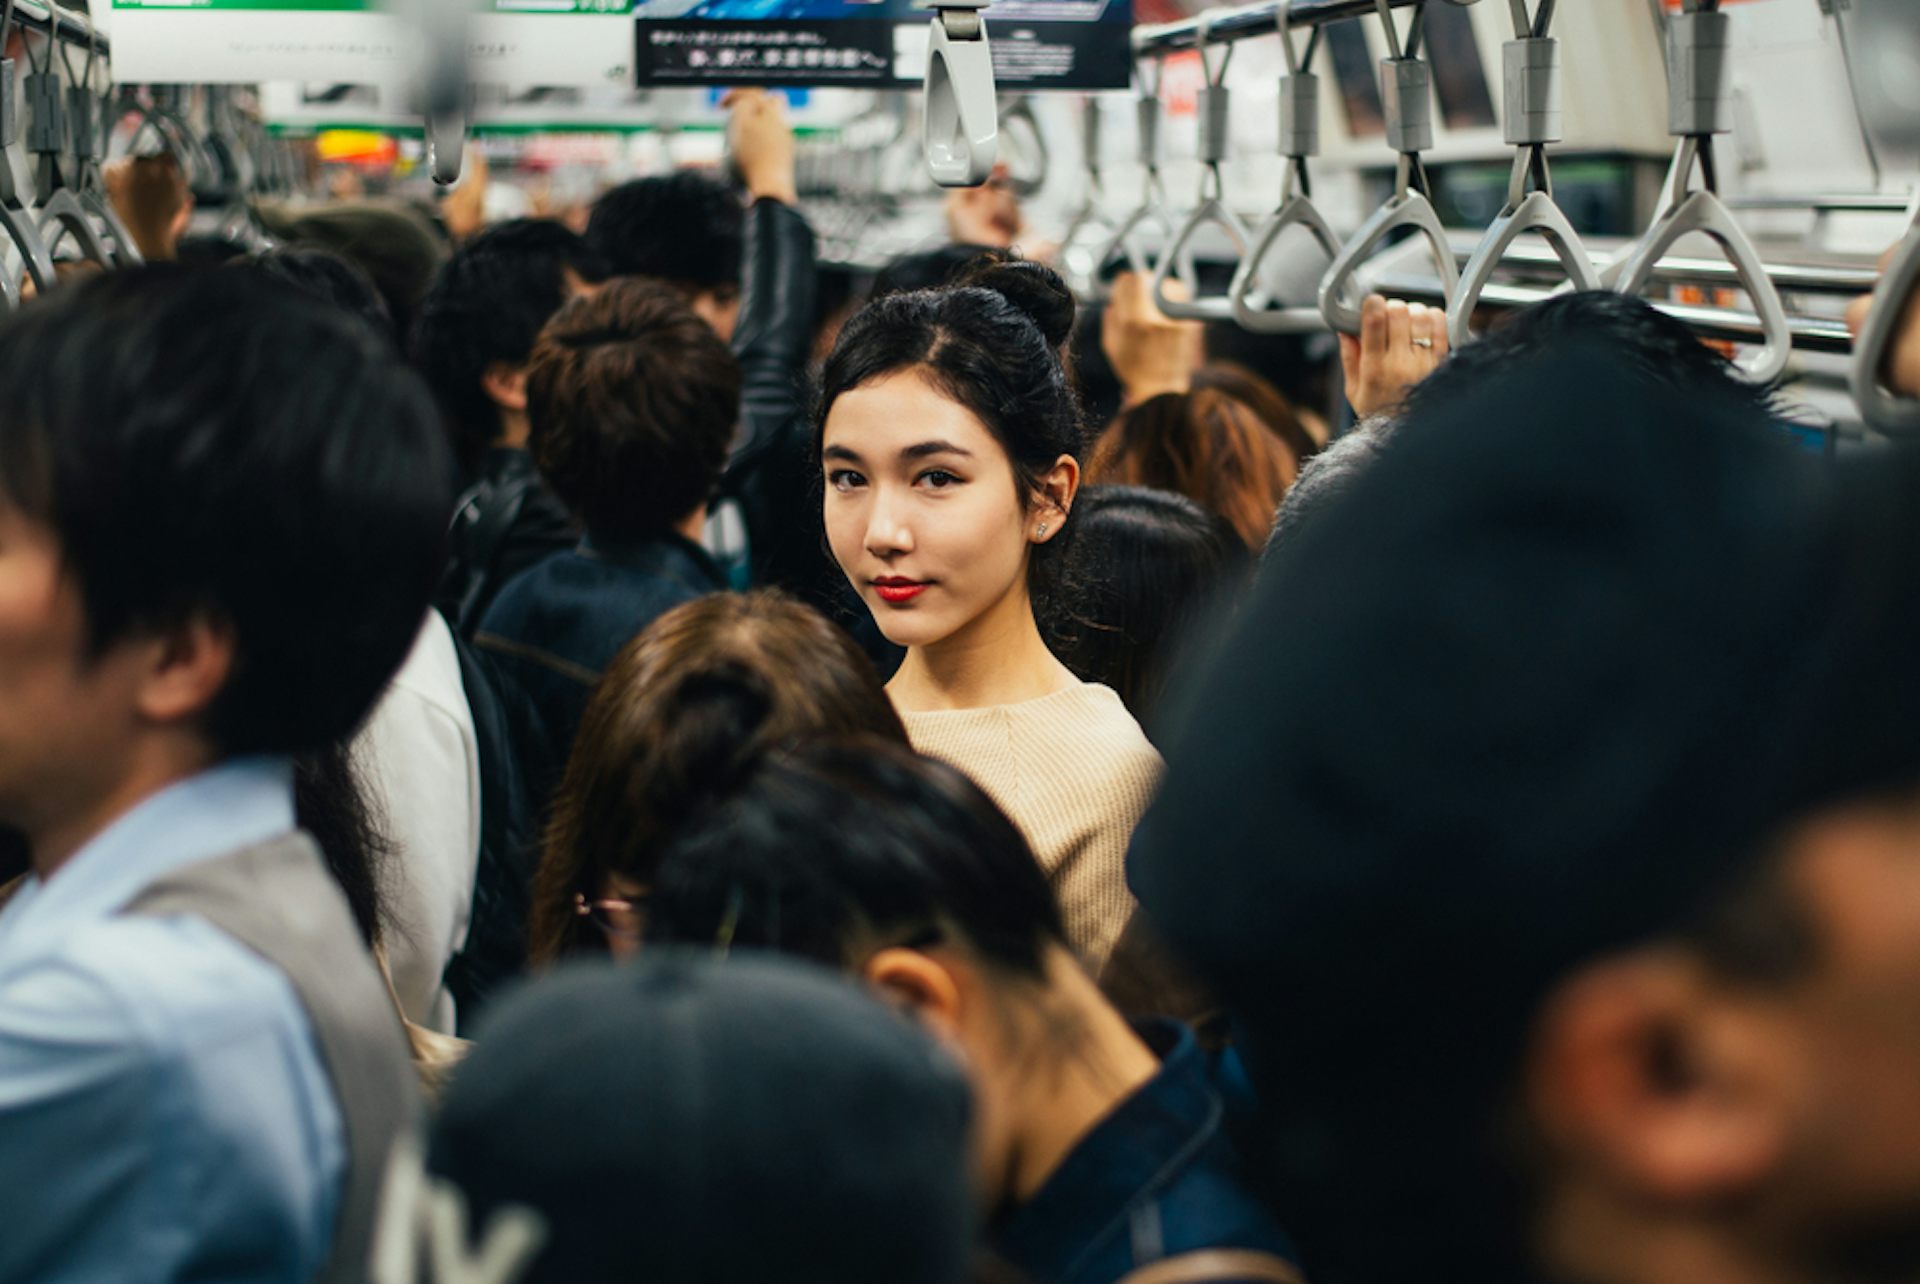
x=667, y=555
x=1145, y=1144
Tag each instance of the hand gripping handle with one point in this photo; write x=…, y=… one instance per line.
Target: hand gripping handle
x=61, y=215
x=1338, y=303
x=1704, y=212
x=1249, y=309
x=1886, y=411
x=1537, y=213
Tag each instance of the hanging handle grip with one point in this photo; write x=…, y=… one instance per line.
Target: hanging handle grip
x=1537, y=213
x=1886, y=411
x=1248, y=309
x=1704, y=212
x=962, y=125
x=1194, y=308
x=1338, y=301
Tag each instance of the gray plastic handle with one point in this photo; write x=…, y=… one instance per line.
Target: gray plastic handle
x=1537, y=213
x=1886, y=411
x=1122, y=244
x=121, y=247
x=17, y=222
x=60, y=215
x=1414, y=210
x=1217, y=307
x=1704, y=212
x=962, y=122
x=1248, y=309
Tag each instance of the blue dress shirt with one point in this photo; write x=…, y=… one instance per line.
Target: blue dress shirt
x=164, y=1111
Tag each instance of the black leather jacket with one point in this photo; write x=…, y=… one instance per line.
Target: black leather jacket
x=772, y=473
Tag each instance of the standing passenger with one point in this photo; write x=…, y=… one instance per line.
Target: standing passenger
x=220, y=517
x=950, y=443
x=631, y=401
x=1102, y=1147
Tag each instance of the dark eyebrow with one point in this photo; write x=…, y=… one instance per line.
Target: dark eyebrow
x=927, y=448
x=839, y=452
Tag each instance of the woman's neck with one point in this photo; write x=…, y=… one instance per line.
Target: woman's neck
x=1065, y=1101
x=996, y=658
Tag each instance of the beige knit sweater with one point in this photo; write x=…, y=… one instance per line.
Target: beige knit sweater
x=1075, y=772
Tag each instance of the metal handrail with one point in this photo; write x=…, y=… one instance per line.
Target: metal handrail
x=1262, y=19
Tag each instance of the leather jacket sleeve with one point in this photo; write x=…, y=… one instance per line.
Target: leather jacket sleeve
x=773, y=334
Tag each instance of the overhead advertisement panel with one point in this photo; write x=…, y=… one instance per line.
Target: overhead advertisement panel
x=518, y=42
x=1037, y=44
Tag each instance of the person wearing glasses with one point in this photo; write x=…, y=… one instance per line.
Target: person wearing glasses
x=1102, y=1146
x=712, y=682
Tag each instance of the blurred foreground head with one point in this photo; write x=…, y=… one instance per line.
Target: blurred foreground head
x=1552, y=830
x=689, y=1117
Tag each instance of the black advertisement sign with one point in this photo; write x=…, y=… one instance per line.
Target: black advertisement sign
x=1037, y=44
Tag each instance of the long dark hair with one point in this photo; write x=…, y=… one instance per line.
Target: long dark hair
x=991, y=345
x=331, y=803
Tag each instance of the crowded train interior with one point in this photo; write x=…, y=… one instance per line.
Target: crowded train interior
x=959, y=642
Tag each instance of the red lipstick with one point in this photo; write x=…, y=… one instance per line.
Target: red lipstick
x=896, y=590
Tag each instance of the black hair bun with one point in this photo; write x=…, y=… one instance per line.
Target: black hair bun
x=1033, y=288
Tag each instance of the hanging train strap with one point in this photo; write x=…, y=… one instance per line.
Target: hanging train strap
x=1216, y=121
x=1124, y=244
x=1406, y=84
x=1697, y=43
x=60, y=214
x=1532, y=117
x=17, y=215
x=1299, y=139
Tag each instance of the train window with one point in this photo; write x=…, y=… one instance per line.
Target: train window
x=1459, y=77
x=1354, y=72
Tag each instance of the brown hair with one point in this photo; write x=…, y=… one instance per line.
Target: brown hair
x=632, y=402
x=1265, y=400
x=1204, y=445
x=708, y=687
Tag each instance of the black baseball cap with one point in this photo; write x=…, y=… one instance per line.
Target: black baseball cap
x=690, y=1118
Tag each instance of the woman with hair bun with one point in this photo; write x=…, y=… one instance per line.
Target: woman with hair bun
x=950, y=442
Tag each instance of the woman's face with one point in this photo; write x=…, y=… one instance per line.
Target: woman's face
x=923, y=510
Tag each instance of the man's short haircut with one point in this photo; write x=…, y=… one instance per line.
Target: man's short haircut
x=211, y=442
x=486, y=306
x=633, y=401
x=684, y=227
x=1551, y=681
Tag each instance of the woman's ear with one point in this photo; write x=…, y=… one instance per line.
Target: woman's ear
x=1055, y=494
x=919, y=984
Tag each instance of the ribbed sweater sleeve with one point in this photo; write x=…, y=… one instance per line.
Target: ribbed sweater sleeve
x=1076, y=773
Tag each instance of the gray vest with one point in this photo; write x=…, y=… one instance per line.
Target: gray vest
x=279, y=901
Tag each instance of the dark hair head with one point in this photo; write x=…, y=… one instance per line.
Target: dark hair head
x=684, y=228
x=1547, y=684
x=209, y=442
x=631, y=402
x=981, y=346
x=1643, y=339
x=686, y=1119
x=326, y=276
x=1147, y=566
x=486, y=306
x=706, y=687
x=1326, y=477
x=834, y=851
x=1206, y=446
x=391, y=242
x=927, y=269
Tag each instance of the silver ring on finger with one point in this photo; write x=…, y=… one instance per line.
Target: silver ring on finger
x=1423, y=342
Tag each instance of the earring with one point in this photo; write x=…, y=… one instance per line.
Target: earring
x=1042, y=532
